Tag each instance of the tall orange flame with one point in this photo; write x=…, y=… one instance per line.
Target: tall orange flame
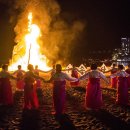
x=32, y=53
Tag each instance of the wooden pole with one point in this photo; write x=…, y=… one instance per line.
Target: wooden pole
x=29, y=54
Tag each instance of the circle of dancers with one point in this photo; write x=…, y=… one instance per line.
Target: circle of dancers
x=30, y=82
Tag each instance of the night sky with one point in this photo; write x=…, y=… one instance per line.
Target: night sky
x=106, y=22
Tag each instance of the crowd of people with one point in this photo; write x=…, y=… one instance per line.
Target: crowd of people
x=29, y=81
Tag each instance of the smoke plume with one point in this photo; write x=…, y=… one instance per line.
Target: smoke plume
x=57, y=35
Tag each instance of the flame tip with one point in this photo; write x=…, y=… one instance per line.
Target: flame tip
x=33, y=54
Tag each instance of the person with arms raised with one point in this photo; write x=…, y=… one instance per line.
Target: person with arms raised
x=59, y=82
x=93, y=98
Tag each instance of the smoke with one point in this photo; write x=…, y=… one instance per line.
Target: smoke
x=57, y=36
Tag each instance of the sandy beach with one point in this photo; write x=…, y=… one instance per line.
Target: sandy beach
x=110, y=117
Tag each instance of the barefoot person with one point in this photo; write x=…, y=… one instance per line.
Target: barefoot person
x=59, y=82
x=6, y=96
x=122, y=86
x=30, y=95
x=93, y=98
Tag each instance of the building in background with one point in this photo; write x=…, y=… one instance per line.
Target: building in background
x=122, y=55
x=125, y=44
